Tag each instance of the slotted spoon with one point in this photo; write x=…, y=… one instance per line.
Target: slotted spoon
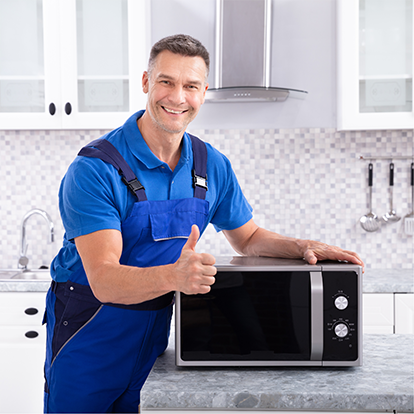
x=370, y=221
x=409, y=219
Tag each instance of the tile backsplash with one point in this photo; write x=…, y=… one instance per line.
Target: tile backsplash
x=307, y=183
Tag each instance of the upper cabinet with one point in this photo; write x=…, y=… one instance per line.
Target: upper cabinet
x=71, y=63
x=375, y=64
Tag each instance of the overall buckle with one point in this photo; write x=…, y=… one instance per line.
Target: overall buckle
x=134, y=185
x=199, y=181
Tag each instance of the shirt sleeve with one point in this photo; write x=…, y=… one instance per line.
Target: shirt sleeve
x=231, y=209
x=89, y=198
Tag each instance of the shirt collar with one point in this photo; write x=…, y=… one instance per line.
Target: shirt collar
x=140, y=149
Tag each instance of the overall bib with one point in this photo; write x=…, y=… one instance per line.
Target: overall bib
x=98, y=355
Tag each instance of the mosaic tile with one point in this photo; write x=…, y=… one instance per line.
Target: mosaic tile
x=304, y=182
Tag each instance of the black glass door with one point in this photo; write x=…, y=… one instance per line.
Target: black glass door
x=248, y=316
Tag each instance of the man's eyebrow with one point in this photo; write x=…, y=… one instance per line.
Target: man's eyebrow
x=169, y=77
x=164, y=76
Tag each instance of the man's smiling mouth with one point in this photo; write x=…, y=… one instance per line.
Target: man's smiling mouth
x=171, y=111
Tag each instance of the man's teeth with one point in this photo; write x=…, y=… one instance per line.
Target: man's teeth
x=173, y=112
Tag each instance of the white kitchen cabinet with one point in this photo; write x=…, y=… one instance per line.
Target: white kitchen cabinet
x=71, y=64
x=404, y=313
x=22, y=351
x=375, y=64
x=388, y=313
x=378, y=313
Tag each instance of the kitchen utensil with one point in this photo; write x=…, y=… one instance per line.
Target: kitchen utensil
x=370, y=221
x=409, y=218
x=391, y=216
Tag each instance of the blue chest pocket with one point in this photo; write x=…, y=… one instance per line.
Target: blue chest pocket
x=161, y=230
x=175, y=218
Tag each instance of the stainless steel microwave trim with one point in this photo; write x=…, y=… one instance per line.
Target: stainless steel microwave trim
x=316, y=316
x=243, y=54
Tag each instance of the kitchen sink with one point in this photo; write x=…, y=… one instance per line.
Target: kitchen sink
x=15, y=274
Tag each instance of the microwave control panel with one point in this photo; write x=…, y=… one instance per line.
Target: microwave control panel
x=341, y=296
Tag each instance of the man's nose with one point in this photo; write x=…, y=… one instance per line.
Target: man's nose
x=177, y=95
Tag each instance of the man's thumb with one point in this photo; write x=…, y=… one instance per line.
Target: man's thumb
x=192, y=238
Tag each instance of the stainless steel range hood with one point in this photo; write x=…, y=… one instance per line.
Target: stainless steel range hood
x=243, y=51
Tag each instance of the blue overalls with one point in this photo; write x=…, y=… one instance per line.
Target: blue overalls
x=98, y=355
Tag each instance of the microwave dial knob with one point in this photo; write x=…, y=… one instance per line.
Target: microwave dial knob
x=341, y=330
x=341, y=302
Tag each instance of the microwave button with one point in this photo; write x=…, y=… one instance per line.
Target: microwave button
x=341, y=302
x=341, y=330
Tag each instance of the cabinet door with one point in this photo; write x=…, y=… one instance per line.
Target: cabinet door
x=29, y=64
x=103, y=45
x=378, y=313
x=404, y=313
x=21, y=378
x=72, y=64
x=375, y=64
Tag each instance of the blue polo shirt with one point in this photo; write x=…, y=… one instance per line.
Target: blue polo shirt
x=92, y=196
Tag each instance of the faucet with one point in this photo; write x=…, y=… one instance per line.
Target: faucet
x=23, y=260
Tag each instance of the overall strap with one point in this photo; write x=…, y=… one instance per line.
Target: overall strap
x=105, y=151
x=199, y=171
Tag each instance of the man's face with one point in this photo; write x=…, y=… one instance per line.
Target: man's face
x=176, y=89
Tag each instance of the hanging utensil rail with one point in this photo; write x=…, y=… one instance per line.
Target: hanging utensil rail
x=380, y=157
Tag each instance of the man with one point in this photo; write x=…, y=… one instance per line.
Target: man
x=133, y=205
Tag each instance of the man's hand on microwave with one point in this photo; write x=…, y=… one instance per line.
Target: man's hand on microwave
x=252, y=240
x=315, y=251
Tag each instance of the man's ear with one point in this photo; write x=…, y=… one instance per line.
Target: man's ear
x=145, y=82
x=205, y=90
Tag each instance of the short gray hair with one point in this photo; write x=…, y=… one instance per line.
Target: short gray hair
x=179, y=44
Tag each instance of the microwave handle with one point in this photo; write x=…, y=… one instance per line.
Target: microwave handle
x=316, y=316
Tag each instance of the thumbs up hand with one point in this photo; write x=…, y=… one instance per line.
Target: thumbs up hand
x=194, y=272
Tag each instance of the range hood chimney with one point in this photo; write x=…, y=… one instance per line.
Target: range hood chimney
x=243, y=50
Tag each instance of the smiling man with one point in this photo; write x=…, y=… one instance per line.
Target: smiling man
x=133, y=205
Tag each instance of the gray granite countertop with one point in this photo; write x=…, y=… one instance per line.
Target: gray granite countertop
x=374, y=281
x=388, y=281
x=384, y=383
x=24, y=285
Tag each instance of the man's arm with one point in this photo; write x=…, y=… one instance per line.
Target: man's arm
x=252, y=240
x=112, y=282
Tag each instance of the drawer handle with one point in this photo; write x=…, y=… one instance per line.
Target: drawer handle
x=31, y=311
x=52, y=109
x=31, y=334
x=68, y=108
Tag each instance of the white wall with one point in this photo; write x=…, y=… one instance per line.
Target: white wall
x=303, y=57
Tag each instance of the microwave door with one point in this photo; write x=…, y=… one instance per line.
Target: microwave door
x=251, y=318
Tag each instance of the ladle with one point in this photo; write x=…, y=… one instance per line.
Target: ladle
x=370, y=222
x=391, y=216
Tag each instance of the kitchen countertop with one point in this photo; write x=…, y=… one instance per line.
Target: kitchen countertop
x=374, y=281
x=384, y=383
x=388, y=281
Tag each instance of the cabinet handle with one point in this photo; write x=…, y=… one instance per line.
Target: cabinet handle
x=68, y=108
x=52, y=109
x=31, y=334
x=31, y=311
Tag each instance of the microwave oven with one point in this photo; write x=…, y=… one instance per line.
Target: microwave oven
x=273, y=312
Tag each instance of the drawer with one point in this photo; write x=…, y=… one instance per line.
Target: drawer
x=22, y=308
x=23, y=335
